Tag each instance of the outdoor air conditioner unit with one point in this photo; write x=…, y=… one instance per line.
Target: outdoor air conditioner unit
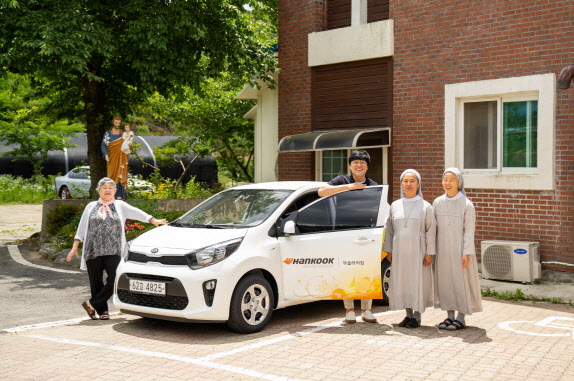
x=507, y=260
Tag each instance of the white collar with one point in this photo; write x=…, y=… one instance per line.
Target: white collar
x=455, y=197
x=412, y=199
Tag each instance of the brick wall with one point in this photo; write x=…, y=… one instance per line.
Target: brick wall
x=461, y=41
x=297, y=19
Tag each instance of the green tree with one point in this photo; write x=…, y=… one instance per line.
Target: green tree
x=25, y=126
x=214, y=116
x=99, y=58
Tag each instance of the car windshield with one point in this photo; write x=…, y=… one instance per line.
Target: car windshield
x=236, y=208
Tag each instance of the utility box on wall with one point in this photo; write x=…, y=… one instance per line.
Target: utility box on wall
x=511, y=260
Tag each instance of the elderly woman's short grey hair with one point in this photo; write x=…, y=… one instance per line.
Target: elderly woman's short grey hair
x=103, y=181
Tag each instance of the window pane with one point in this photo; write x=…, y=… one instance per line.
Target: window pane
x=520, y=133
x=351, y=210
x=316, y=218
x=480, y=135
x=357, y=209
x=334, y=164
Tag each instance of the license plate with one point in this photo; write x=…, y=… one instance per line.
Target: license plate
x=147, y=287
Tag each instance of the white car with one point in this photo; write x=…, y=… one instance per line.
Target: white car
x=76, y=183
x=254, y=248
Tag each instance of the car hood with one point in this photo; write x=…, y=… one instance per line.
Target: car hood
x=174, y=240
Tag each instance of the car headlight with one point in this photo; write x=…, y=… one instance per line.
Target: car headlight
x=213, y=254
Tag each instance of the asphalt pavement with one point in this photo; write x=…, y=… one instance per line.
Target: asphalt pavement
x=32, y=295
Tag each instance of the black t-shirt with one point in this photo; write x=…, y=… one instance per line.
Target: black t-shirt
x=348, y=179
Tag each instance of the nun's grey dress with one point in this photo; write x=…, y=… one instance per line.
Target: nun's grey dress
x=409, y=236
x=456, y=288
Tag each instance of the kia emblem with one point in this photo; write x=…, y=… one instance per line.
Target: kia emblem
x=154, y=250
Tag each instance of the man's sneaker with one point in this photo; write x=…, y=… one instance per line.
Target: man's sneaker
x=350, y=317
x=369, y=317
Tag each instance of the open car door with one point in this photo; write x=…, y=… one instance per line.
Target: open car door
x=331, y=249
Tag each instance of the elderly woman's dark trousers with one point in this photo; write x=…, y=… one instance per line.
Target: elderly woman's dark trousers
x=101, y=292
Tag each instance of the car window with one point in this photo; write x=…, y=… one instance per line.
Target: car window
x=300, y=203
x=356, y=209
x=84, y=173
x=75, y=174
x=235, y=208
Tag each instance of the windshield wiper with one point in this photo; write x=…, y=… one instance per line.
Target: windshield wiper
x=208, y=226
x=178, y=224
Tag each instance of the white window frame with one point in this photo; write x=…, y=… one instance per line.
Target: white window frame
x=537, y=87
x=319, y=165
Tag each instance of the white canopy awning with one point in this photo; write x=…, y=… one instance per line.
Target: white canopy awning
x=338, y=139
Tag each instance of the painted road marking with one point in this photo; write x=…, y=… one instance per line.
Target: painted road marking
x=283, y=338
x=547, y=322
x=189, y=360
x=50, y=324
x=16, y=256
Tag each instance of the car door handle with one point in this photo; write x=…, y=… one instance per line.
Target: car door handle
x=362, y=240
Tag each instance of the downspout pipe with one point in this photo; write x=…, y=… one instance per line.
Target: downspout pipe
x=565, y=78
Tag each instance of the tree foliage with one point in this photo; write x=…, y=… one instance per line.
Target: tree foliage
x=25, y=126
x=213, y=116
x=99, y=58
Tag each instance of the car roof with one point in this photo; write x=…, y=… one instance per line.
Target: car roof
x=283, y=185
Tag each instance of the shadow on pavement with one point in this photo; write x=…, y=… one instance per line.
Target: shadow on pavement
x=284, y=321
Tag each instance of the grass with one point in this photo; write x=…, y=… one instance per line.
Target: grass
x=520, y=295
x=17, y=190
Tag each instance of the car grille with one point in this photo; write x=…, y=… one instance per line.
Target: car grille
x=172, y=260
x=150, y=277
x=167, y=302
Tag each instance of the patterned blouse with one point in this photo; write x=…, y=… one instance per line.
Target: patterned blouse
x=104, y=236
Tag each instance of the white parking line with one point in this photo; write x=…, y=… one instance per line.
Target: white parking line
x=23, y=328
x=189, y=360
x=283, y=338
x=16, y=256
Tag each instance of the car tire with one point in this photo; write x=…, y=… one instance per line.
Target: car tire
x=65, y=193
x=251, y=305
x=385, y=282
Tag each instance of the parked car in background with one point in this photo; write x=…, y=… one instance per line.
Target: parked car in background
x=76, y=183
x=254, y=248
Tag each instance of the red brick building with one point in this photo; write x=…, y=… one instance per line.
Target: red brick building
x=470, y=84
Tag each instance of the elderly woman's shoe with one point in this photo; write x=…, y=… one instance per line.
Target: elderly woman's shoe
x=105, y=316
x=405, y=321
x=91, y=312
x=445, y=323
x=413, y=323
x=456, y=326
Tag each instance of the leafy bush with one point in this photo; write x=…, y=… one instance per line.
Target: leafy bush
x=164, y=188
x=63, y=216
x=17, y=190
x=194, y=189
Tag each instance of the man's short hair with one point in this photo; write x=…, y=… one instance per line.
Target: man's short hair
x=360, y=154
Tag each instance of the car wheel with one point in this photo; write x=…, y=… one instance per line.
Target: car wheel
x=385, y=283
x=386, y=280
x=251, y=305
x=65, y=193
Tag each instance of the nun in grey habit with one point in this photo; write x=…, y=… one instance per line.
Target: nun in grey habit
x=457, y=286
x=410, y=240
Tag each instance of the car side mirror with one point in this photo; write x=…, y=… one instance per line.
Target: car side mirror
x=289, y=228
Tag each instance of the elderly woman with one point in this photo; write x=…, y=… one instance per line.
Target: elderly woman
x=102, y=231
x=410, y=242
x=457, y=287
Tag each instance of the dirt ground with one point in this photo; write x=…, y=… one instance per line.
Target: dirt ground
x=19, y=222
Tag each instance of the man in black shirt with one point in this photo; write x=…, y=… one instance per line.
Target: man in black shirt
x=358, y=164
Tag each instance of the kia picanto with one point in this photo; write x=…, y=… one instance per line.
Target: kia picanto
x=251, y=249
